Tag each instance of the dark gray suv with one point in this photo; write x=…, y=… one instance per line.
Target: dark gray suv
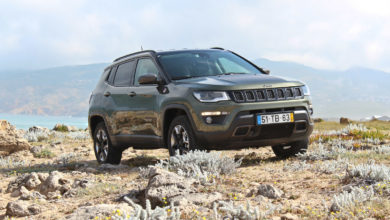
x=196, y=99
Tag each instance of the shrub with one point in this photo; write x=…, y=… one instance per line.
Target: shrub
x=368, y=173
x=44, y=153
x=162, y=213
x=10, y=162
x=349, y=200
x=61, y=128
x=200, y=165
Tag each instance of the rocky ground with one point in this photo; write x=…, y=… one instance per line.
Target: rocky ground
x=48, y=174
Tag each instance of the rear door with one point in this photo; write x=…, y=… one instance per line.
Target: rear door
x=118, y=105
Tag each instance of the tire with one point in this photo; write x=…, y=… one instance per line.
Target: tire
x=180, y=136
x=290, y=150
x=105, y=152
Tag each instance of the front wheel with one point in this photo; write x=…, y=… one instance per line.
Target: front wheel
x=292, y=149
x=180, y=136
x=105, y=152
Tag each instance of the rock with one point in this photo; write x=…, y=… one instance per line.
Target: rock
x=344, y=120
x=35, y=149
x=54, y=195
x=10, y=140
x=289, y=216
x=30, y=181
x=164, y=185
x=33, y=181
x=83, y=183
x=266, y=190
x=98, y=211
x=197, y=198
x=34, y=195
x=55, y=182
x=72, y=128
x=335, y=207
x=38, y=129
x=20, y=208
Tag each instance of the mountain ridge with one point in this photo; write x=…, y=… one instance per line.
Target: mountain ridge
x=356, y=92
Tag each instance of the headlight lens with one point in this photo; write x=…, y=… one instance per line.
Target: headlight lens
x=211, y=96
x=306, y=90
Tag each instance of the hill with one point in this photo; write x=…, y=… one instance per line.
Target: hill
x=356, y=92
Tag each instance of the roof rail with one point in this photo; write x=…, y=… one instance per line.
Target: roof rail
x=131, y=54
x=217, y=48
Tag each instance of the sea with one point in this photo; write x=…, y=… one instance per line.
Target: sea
x=27, y=121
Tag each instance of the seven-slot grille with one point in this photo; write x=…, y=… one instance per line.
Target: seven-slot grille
x=261, y=95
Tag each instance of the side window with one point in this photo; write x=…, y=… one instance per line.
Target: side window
x=110, y=79
x=144, y=66
x=123, y=74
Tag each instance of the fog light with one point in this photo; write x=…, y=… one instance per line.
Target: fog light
x=311, y=111
x=209, y=120
x=216, y=113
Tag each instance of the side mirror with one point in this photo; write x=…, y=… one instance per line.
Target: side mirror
x=267, y=72
x=149, y=78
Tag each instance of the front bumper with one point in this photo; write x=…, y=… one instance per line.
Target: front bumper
x=243, y=132
x=239, y=129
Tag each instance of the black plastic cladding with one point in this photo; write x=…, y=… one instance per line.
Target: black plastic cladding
x=261, y=95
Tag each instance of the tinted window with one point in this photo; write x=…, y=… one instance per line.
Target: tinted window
x=144, y=66
x=123, y=74
x=110, y=79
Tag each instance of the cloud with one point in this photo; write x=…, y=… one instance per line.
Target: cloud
x=327, y=34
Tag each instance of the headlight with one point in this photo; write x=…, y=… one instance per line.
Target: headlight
x=211, y=96
x=306, y=90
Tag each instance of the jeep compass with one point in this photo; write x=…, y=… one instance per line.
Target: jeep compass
x=196, y=99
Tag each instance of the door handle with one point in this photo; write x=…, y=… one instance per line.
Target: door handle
x=107, y=93
x=132, y=94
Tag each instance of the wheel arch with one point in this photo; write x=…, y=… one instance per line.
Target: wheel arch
x=170, y=112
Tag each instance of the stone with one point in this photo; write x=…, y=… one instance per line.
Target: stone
x=33, y=181
x=98, y=211
x=34, y=195
x=10, y=139
x=21, y=208
x=35, y=149
x=266, y=190
x=54, y=182
x=38, y=129
x=289, y=216
x=164, y=184
x=197, y=198
x=30, y=181
x=344, y=120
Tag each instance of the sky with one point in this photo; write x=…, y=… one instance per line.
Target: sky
x=329, y=34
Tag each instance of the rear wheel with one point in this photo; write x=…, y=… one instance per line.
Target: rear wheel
x=105, y=152
x=180, y=136
x=292, y=149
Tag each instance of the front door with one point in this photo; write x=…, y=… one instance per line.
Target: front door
x=144, y=99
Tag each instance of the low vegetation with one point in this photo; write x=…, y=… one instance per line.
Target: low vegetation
x=345, y=174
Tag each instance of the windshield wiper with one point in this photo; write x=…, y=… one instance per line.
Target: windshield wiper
x=231, y=73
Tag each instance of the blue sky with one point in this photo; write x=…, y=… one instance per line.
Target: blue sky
x=324, y=34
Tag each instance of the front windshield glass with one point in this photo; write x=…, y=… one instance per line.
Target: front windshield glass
x=188, y=64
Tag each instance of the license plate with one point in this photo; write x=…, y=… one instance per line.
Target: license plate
x=275, y=118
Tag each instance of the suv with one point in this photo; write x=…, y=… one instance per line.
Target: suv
x=196, y=99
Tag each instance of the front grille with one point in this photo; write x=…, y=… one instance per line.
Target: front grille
x=262, y=95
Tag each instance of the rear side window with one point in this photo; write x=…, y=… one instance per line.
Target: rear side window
x=110, y=79
x=123, y=74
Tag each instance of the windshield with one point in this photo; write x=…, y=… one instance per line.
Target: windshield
x=188, y=64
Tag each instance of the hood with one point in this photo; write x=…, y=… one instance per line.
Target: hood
x=238, y=81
